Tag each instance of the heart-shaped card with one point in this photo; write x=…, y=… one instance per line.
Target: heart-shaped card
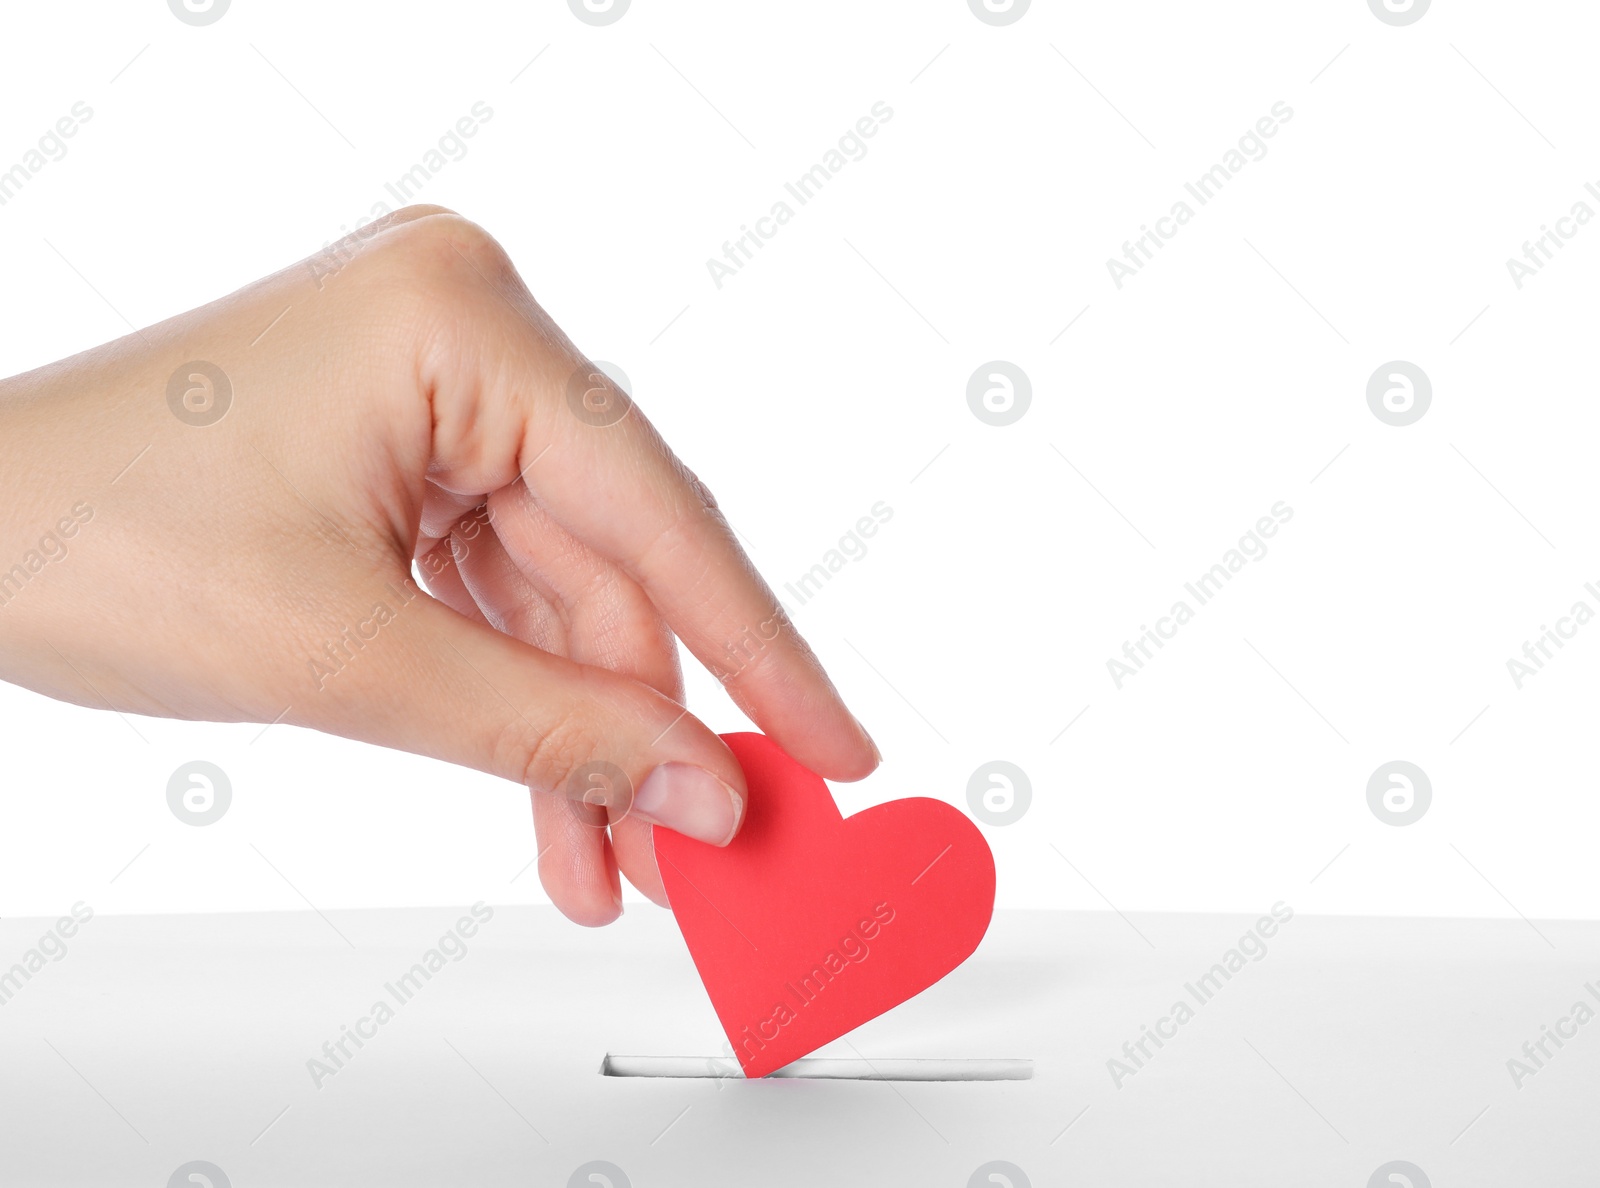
x=808, y=924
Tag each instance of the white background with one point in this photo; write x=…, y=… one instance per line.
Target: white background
x=831, y=374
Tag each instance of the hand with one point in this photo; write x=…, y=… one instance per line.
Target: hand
x=235, y=543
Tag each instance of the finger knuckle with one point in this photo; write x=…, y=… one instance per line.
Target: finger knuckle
x=442, y=246
x=547, y=755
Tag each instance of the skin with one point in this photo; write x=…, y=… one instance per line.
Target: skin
x=411, y=406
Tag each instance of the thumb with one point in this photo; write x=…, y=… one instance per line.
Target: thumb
x=439, y=684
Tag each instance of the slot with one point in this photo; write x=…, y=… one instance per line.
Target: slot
x=820, y=1068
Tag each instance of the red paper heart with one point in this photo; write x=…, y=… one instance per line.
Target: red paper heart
x=808, y=924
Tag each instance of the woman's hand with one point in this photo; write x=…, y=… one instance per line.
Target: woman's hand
x=216, y=518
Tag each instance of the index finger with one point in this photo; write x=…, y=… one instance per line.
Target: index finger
x=500, y=372
x=635, y=502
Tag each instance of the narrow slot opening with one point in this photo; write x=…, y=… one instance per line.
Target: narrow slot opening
x=820, y=1068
